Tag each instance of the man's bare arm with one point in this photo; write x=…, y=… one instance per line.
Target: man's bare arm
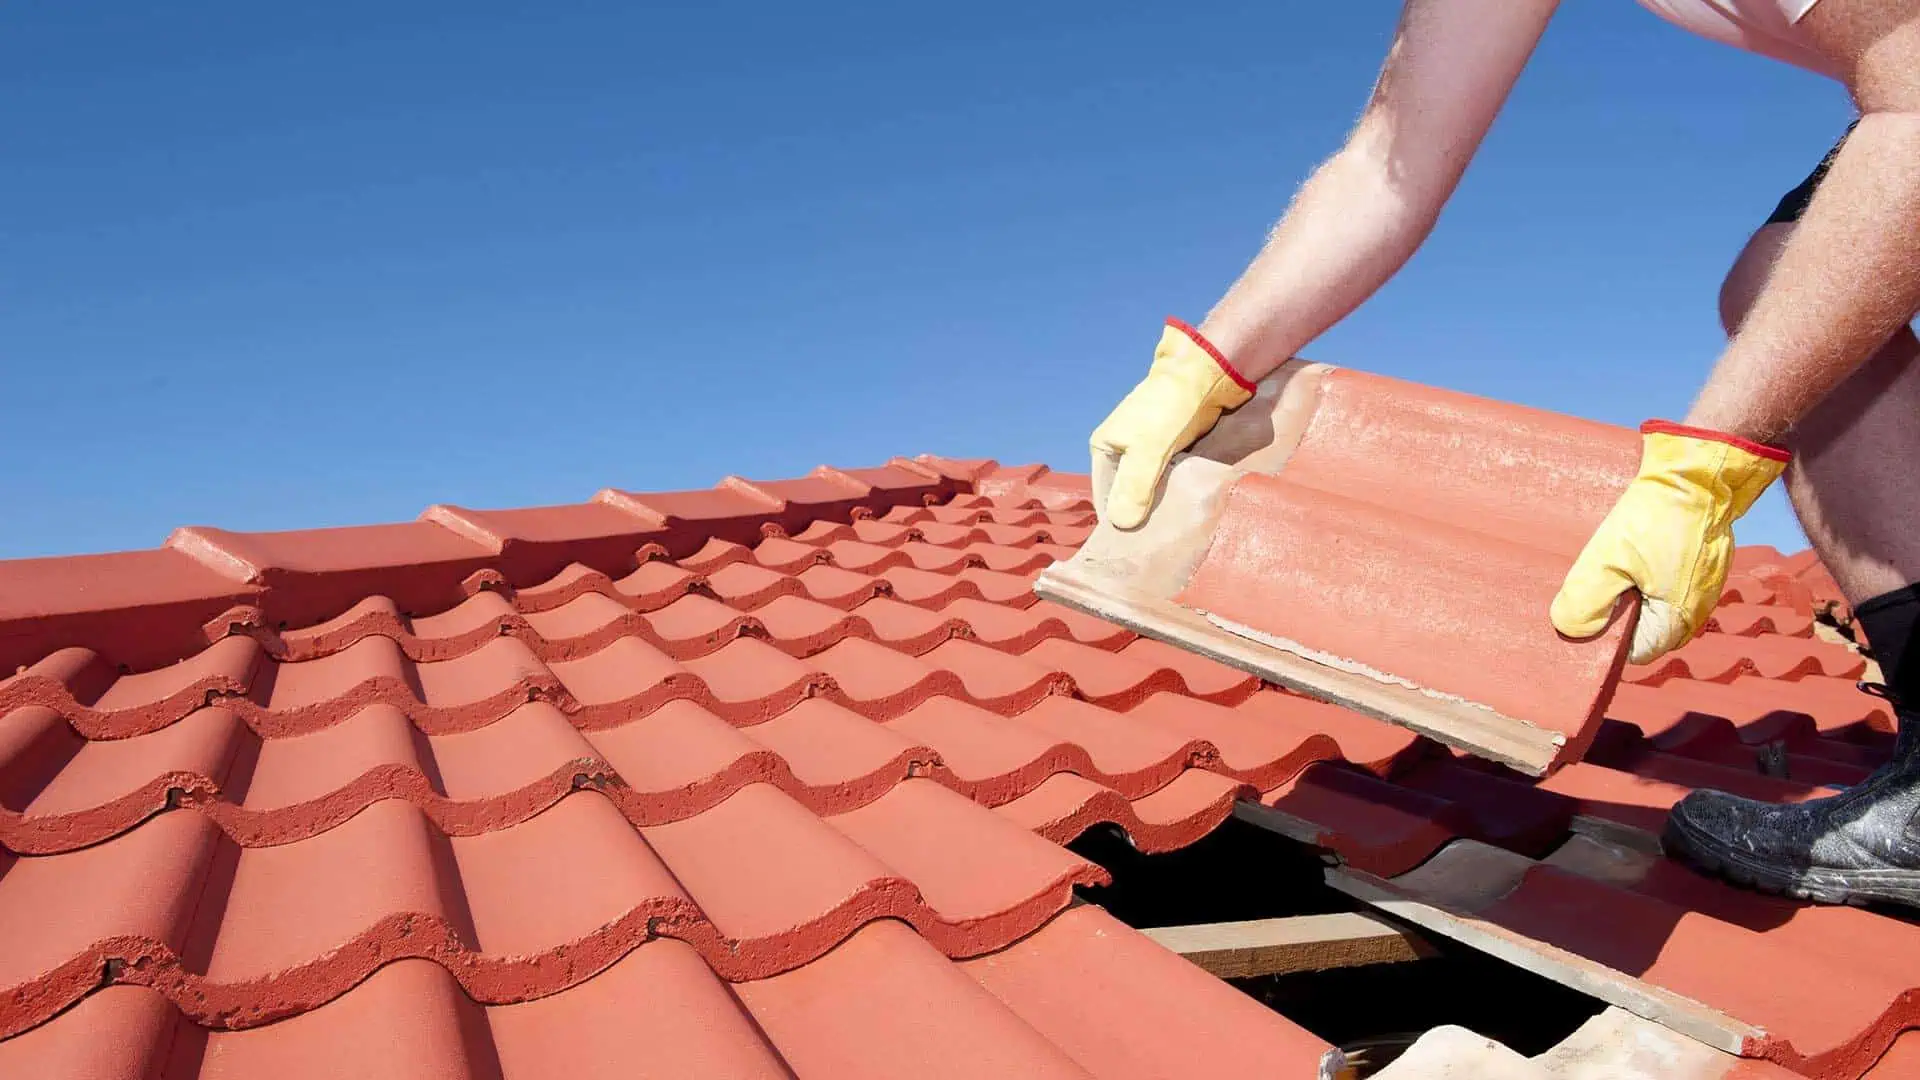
x=1850, y=274
x=1365, y=211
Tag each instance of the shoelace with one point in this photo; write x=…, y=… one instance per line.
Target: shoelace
x=1904, y=727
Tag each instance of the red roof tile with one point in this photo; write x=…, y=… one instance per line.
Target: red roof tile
x=1351, y=526
x=790, y=763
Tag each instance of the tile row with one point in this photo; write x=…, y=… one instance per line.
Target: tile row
x=746, y=680
x=60, y=792
x=794, y=614
x=1715, y=656
x=1084, y=996
x=584, y=623
x=757, y=884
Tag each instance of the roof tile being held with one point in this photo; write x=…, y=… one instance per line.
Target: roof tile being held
x=1391, y=546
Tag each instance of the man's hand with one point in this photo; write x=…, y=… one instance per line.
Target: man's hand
x=1186, y=389
x=1670, y=536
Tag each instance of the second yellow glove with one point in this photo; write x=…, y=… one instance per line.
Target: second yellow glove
x=1186, y=389
x=1670, y=535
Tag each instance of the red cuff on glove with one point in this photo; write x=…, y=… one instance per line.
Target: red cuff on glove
x=1238, y=378
x=1668, y=427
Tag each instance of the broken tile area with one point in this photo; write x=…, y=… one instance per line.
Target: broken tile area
x=1811, y=991
x=773, y=780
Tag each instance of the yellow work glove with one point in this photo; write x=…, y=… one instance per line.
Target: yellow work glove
x=1186, y=389
x=1670, y=536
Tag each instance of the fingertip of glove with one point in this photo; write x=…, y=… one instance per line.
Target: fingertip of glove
x=1132, y=492
x=1659, y=630
x=1641, y=653
x=1574, y=621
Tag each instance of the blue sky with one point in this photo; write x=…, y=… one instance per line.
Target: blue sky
x=273, y=266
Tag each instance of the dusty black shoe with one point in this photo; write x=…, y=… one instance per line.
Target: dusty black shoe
x=1858, y=846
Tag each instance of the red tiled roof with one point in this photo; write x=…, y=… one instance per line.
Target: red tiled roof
x=757, y=780
x=771, y=779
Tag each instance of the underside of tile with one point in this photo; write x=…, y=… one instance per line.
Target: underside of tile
x=1387, y=546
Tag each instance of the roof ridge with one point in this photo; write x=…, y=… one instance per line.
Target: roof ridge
x=146, y=608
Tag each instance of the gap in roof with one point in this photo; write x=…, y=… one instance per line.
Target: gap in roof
x=1373, y=1012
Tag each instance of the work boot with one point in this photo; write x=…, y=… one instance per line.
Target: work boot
x=1858, y=846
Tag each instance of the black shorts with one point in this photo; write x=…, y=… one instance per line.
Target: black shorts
x=1794, y=203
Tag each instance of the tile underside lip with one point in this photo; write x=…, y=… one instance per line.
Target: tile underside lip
x=1474, y=728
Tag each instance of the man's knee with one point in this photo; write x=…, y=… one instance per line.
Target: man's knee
x=1748, y=274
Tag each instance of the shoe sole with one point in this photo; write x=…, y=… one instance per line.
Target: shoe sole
x=1853, y=887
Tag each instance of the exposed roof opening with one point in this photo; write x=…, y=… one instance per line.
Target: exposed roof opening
x=1371, y=1010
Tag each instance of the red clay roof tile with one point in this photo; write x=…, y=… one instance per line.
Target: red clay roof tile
x=1085, y=960
x=1371, y=824
x=1354, y=524
x=1453, y=609
x=1066, y=805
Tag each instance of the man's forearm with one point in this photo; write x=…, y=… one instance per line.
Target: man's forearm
x=1845, y=281
x=1346, y=233
x=1364, y=212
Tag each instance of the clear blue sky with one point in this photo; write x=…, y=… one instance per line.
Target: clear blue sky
x=280, y=266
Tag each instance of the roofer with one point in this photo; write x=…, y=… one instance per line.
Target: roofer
x=1819, y=380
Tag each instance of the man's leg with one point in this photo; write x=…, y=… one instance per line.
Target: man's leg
x=1855, y=486
x=1855, y=479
